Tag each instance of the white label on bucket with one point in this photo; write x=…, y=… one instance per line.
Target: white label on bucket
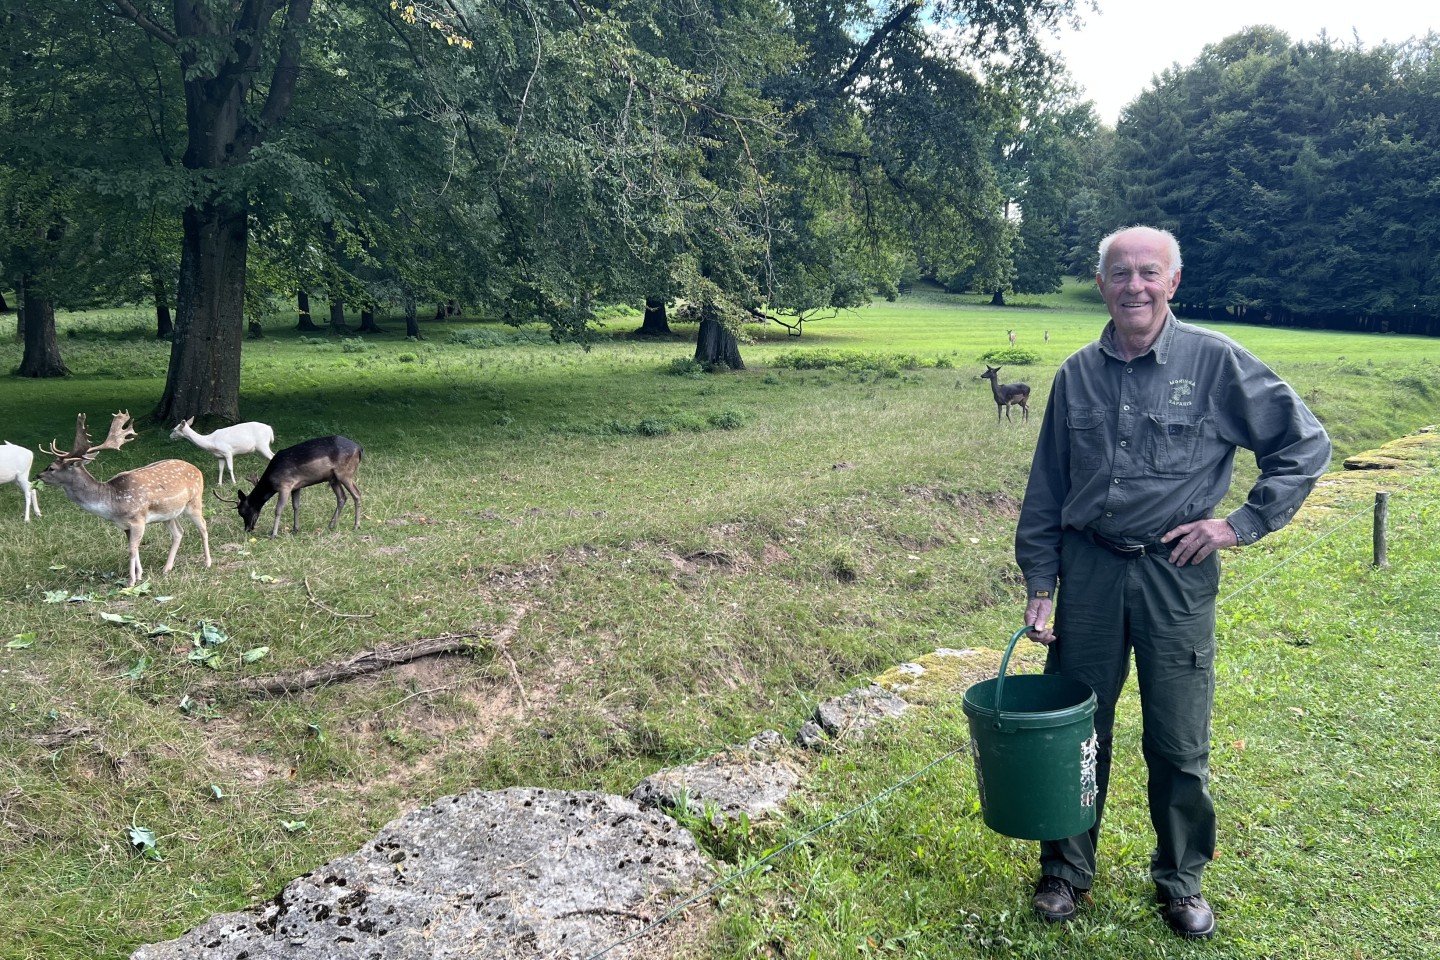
x=1088, y=786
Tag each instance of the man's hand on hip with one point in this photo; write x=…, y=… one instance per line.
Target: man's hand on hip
x=1198, y=539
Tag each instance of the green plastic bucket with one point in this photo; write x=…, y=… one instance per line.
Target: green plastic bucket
x=1033, y=740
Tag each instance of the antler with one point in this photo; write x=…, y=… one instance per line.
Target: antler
x=121, y=432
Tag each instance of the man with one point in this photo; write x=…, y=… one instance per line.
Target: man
x=1134, y=453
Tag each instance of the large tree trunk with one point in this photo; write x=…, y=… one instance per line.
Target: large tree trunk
x=367, y=321
x=337, y=316
x=221, y=49
x=304, y=323
x=4, y=307
x=656, y=324
x=164, y=326
x=204, y=377
x=717, y=346
x=997, y=299
x=42, y=349
x=412, y=317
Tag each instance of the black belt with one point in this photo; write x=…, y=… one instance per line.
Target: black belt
x=1128, y=551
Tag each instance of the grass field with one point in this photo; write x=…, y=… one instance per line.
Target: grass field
x=689, y=558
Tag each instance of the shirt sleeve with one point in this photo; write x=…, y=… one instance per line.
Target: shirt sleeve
x=1263, y=414
x=1037, y=534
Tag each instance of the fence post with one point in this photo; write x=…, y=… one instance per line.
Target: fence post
x=1382, y=515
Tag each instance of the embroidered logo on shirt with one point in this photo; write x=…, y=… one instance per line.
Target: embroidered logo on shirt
x=1180, y=391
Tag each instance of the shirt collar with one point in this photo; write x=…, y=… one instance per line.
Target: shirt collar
x=1161, y=346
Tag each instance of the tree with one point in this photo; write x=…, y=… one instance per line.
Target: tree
x=1296, y=178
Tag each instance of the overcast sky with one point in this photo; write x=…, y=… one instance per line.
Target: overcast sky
x=1129, y=41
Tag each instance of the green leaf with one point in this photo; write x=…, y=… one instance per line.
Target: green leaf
x=160, y=630
x=187, y=706
x=57, y=566
x=137, y=671
x=211, y=635
x=115, y=617
x=57, y=596
x=79, y=598
x=216, y=793
x=142, y=840
x=139, y=589
x=21, y=641
x=294, y=826
x=261, y=577
x=165, y=599
x=314, y=730
x=259, y=653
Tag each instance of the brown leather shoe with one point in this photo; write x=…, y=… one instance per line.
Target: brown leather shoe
x=1054, y=899
x=1190, y=917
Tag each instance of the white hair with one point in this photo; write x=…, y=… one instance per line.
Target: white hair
x=1170, y=242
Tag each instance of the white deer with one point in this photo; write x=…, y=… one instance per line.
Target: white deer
x=15, y=463
x=130, y=500
x=227, y=442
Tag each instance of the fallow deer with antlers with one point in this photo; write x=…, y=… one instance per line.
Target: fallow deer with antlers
x=130, y=500
x=1007, y=394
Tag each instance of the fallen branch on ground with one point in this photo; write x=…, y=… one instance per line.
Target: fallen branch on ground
x=371, y=661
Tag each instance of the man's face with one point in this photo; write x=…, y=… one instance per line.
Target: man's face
x=1137, y=282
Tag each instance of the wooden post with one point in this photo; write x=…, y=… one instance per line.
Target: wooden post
x=1382, y=515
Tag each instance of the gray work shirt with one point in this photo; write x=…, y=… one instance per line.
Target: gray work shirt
x=1132, y=449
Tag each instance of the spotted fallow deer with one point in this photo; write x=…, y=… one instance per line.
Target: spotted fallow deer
x=130, y=500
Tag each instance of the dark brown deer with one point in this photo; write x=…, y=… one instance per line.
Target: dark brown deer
x=1007, y=394
x=332, y=460
x=130, y=500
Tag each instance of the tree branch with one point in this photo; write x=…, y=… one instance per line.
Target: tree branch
x=372, y=661
x=898, y=20
x=287, y=68
x=131, y=13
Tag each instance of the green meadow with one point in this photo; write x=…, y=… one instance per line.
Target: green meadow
x=674, y=561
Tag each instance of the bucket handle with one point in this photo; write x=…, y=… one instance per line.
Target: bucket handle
x=1000, y=680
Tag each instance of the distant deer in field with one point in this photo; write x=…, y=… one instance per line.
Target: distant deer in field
x=332, y=460
x=1047, y=336
x=130, y=500
x=1011, y=335
x=1007, y=394
x=15, y=463
x=229, y=442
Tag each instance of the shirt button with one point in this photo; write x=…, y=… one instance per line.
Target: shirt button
x=1129, y=369
x=1124, y=443
x=1117, y=479
x=1126, y=407
x=1109, y=514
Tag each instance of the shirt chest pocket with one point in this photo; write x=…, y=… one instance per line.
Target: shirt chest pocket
x=1172, y=444
x=1087, y=439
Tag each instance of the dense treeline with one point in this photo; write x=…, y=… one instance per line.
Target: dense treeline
x=527, y=159
x=1302, y=179
x=541, y=159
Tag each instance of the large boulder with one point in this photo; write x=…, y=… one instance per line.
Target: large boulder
x=509, y=875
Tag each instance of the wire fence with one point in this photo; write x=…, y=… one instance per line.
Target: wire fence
x=871, y=801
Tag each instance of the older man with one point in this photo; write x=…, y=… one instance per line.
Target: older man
x=1117, y=533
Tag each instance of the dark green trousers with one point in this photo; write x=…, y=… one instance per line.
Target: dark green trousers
x=1107, y=608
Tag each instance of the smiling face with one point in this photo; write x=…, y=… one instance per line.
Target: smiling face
x=1137, y=282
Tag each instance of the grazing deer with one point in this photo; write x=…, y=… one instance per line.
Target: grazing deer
x=130, y=500
x=1007, y=394
x=332, y=460
x=1047, y=336
x=1011, y=335
x=15, y=463
x=228, y=442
